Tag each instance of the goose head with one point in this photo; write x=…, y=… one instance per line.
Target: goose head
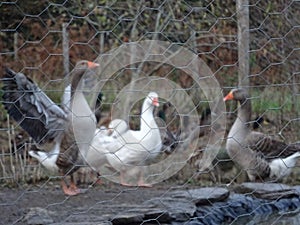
x=85, y=64
x=152, y=99
x=238, y=94
x=78, y=71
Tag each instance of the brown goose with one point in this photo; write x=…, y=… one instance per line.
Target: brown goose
x=261, y=156
x=46, y=122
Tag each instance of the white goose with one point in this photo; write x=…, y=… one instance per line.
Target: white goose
x=261, y=156
x=46, y=122
x=117, y=128
x=103, y=141
x=126, y=149
x=137, y=148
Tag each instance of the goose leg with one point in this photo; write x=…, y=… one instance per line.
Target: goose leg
x=141, y=182
x=122, y=182
x=73, y=185
x=72, y=189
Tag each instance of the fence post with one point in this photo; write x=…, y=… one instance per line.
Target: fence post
x=65, y=46
x=242, y=8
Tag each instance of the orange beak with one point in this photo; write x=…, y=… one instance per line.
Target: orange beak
x=155, y=102
x=228, y=97
x=92, y=65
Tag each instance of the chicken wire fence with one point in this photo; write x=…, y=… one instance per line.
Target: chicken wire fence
x=191, y=53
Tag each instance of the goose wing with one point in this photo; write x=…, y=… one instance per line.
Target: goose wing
x=270, y=147
x=34, y=111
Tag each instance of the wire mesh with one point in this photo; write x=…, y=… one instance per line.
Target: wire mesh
x=188, y=52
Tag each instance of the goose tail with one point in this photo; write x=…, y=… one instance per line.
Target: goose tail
x=39, y=155
x=281, y=167
x=48, y=160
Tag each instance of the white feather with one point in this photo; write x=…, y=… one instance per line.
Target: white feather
x=47, y=159
x=66, y=98
x=281, y=167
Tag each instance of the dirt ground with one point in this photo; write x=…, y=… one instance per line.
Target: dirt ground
x=99, y=203
x=45, y=203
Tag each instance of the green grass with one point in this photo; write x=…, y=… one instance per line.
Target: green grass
x=279, y=100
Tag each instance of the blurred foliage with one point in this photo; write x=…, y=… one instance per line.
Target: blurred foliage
x=31, y=37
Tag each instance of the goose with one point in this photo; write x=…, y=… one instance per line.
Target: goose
x=170, y=140
x=137, y=147
x=104, y=143
x=117, y=128
x=162, y=113
x=262, y=157
x=117, y=144
x=99, y=100
x=46, y=122
x=66, y=102
x=262, y=123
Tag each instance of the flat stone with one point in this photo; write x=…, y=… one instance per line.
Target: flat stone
x=152, y=212
x=128, y=218
x=271, y=191
x=297, y=188
x=171, y=208
x=84, y=218
x=38, y=215
x=202, y=196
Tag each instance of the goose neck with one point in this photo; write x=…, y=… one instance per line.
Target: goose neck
x=241, y=125
x=147, y=117
x=244, y=111
x=77, y=81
